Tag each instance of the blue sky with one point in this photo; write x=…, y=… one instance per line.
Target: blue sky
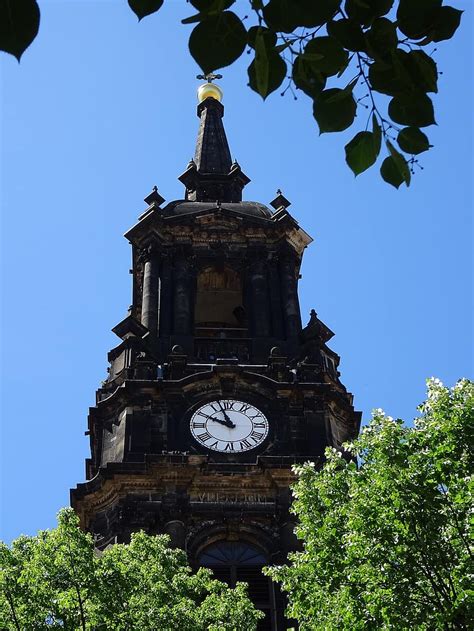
x=100, y=109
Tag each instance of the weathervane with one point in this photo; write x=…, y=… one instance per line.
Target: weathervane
x=209, y=77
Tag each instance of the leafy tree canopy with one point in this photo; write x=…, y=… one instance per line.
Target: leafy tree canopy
x=56, y=580
x=387, y=544
x=361, y=62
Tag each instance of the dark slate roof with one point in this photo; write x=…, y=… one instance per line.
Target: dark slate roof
x=212, y=153
x=183, y=207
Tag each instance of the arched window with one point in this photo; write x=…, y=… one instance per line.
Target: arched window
x=231, y=553
x=233, y=561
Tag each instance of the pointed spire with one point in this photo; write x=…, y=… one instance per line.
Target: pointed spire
x=212, y=175
x=212, y=149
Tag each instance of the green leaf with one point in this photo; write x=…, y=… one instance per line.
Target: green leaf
x=413, y=110
x=416, y=19
x=348, y=33
x=377, y=131
x=142, y=8
x=390, y=172
x=287, y=15
x=362, y=151
x=334, y=110
x=325, y=55
x=269, y=37
x=281, y=15
x=313, y=13
x=268, y=69
x=382, y=37
x=382, y=79
x=390, y=76
x=446, y=23
x=261, y=66
x=218, y=41
x=400, y=163
x=311, y=81
x=413, y=140
x=423, y=71
x=209, y=6
x=266, y=73
x=365, y=11
x=192, y=19
x=404, y=73
x=19, y=24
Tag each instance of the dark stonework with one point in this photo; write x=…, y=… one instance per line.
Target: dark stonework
x=215, y=317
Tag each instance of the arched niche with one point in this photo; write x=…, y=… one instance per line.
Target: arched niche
x=218, y=300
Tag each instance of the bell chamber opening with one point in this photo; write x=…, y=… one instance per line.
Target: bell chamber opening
x=220, y=318
x=238, y=561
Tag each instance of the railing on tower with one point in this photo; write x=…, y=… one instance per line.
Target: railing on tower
x=212, y=342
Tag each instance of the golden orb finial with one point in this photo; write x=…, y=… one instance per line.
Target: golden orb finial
x=209, y=89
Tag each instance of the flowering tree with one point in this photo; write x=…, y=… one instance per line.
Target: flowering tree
x=387, y=545
x=56, y=580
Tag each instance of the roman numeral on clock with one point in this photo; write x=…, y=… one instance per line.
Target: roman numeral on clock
x=197, y=425
x=229, y=447
x=204, y=436
x=244, y=444
x=256, y=436
x=244, y=407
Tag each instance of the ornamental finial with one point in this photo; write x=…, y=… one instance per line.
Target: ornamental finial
x=209, y=89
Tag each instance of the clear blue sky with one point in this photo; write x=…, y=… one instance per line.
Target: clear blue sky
x=101, y=109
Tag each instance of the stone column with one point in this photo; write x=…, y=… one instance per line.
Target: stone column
x=289, y=298
x=183, y=304
x=166, y=296
x=259, y=299
x=150, y=293
x=275, y=301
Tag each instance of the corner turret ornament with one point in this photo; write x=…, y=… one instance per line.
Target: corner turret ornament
x=209, y=89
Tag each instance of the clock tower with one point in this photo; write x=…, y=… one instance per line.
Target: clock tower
x=215, y=388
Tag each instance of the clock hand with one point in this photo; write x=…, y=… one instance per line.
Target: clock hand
x=229, y=423
x=226, y=422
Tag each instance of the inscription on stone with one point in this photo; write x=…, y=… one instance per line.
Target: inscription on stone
x=232, y=498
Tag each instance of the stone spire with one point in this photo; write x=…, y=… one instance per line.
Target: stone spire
x=212, y=149
x=212, y=176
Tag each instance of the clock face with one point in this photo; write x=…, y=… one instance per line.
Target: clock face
x=229, y=426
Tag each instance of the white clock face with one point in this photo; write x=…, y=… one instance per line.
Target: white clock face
x=229, y=426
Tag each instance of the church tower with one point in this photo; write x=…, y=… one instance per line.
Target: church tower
x=215, y=389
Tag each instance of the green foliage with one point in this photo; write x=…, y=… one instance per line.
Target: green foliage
x=57, y=580
x=413, y=140
x=19, y=24
x=268, y=69
x=363, y=149
x=334, y=110
x=380, y=42
x=142, y=8
x=388, y=544
x=217, y=40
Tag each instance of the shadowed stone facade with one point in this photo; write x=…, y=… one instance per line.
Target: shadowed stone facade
x=215, y=325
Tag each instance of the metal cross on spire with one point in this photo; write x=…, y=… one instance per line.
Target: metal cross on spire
x=209, y=77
